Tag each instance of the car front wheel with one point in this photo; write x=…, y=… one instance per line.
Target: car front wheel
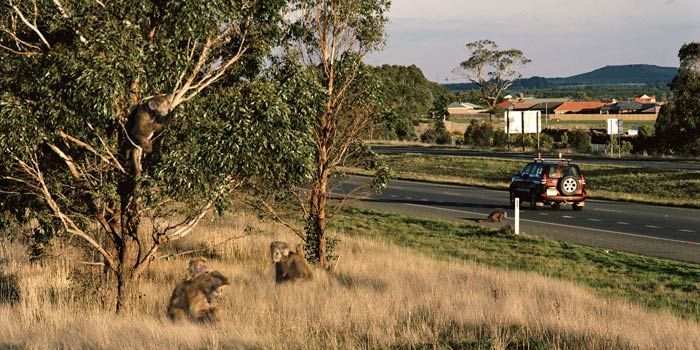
x=512, y=200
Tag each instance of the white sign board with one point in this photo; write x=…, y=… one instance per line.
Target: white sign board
x=514, y=122
x=615, y=126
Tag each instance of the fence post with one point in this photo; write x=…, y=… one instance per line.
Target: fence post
x=517, y=216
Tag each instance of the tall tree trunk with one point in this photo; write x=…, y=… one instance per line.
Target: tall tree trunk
x=127, y=292
x=129, y=248
x=316, y=221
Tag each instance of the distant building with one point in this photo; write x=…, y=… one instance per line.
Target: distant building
x=463, y=108
x=645, y=99
x=632, y=107
x=545, y=105
x=579, y=107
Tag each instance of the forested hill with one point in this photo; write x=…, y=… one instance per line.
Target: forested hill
x=608, y=75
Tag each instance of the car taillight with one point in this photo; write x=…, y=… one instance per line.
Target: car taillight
x=583, y=181
x=544, y=179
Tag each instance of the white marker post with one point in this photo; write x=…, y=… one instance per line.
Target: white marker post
x=517, y=216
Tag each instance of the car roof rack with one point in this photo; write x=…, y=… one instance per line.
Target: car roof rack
x=552, y=159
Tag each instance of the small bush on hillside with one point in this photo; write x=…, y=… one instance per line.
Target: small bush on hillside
x=546, y=142
x=580, y=140
x=500, y=138
x=627, y=147
x=482, y=134
x=565, y=139
x=645, y=141
x=437, y=134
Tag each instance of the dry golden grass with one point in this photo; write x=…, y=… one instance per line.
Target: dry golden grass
x=380, y=296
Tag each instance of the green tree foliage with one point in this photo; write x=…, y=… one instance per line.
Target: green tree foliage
x=441, y=99
x=599, y=92
x=491, y=69
x=579, y=140
x=408, y=96
x=678, y=124
x=73, y=73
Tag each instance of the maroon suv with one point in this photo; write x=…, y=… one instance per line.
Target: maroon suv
x=554, y=181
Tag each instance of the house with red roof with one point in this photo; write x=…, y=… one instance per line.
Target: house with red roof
x=645, y=99
x=580, y=107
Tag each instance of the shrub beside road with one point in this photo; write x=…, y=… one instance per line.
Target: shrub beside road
x=655, y=186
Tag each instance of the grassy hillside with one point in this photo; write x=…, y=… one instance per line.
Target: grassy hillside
x=379, y=296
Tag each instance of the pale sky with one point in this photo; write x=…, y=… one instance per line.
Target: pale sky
x=562, y=37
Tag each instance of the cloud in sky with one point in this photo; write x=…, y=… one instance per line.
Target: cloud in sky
x=562, y=37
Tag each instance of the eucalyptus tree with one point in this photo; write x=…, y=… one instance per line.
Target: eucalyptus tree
x=331, y=38
x=678, y=124
x=72, y=73
x=491, y=69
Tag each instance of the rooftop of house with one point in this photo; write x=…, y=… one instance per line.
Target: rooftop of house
x=629, y=106
x=464, y=105
x=579, y=105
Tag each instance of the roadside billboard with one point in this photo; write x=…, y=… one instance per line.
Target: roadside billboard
x=615, y=126
x=514, y=122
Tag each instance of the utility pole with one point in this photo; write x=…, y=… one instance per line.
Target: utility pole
x=522, y=128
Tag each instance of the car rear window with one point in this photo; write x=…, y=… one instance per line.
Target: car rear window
x=557, y=171
x=570, y=171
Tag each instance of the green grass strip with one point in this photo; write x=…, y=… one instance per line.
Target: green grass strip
x=654, y=283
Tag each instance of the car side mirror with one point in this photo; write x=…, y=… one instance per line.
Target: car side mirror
x=526, y=176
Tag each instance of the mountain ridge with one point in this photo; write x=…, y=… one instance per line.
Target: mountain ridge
x=628, y=74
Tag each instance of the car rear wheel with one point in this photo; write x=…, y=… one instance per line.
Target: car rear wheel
x=577, y=207
x=568, y=185
x=556, y=205
x=533, y=201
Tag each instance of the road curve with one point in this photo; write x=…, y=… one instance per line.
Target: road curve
x=665, y=232
x=446, y=151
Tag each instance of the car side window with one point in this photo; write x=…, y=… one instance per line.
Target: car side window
x=527, y=169
x=536, y=170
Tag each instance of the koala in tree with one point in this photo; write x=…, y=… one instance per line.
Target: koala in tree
x=142, y=126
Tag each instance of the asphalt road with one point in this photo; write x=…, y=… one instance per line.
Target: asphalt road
x=666, y=232
x=444, y=151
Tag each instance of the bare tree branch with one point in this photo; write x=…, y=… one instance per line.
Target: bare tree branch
x=33, y=26
x=275, y=216
x=198, y=81
x=113, y=161
x=69, y=225
x=68, y=160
